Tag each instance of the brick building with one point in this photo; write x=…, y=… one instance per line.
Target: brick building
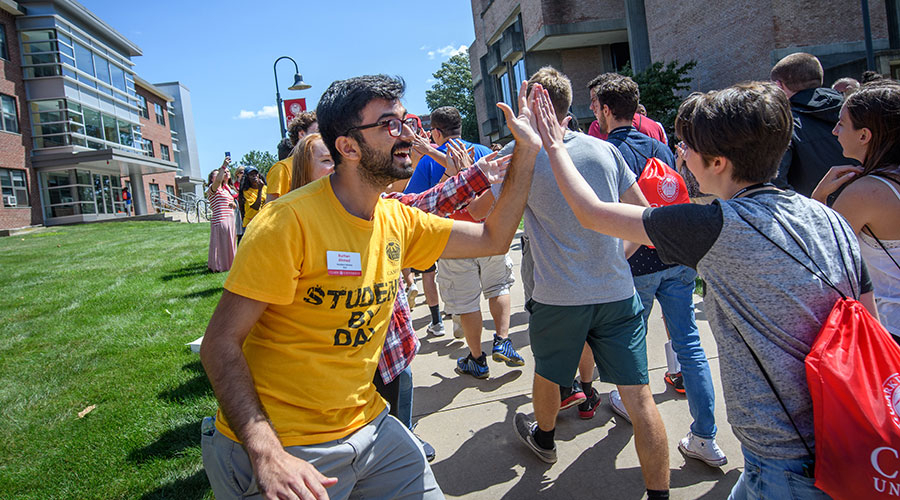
x=157, y=141
x=18, y=207
x=77, y=124
x=731, y=40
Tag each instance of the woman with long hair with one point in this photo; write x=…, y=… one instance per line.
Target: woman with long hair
x=869, y=196
x=222, y=230
x=252, y=194
x=311, y=160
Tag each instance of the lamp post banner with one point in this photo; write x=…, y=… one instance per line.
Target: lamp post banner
x=293, y=107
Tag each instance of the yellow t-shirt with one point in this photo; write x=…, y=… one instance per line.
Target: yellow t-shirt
x=279, y=177
x=249, y=200
x=314, y=351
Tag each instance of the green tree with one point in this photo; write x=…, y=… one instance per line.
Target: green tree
x=661, y=89
x=454, y=88
x=262, y=160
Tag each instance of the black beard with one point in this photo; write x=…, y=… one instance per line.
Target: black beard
x=379, y=169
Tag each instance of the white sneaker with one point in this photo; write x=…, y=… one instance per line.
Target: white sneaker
x=436, y=329
x=616, y=402
x=412, y=291
x=457, y=327
x=702, y=449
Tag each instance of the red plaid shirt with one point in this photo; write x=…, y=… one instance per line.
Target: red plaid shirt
x=454, y=194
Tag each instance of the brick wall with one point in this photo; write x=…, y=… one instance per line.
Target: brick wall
x=733, y=41
x=15, y=148
x=160, y=135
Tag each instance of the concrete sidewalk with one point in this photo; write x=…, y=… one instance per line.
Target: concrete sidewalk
x=479, y=456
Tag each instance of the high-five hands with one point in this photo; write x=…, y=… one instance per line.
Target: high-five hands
x=493, y=167
x=522, y=126
x=550, y=130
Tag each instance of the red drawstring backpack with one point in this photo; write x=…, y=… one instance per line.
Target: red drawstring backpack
x=853, y=373
x=661, y=185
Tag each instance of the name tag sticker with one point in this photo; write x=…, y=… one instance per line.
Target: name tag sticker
x=344, y=263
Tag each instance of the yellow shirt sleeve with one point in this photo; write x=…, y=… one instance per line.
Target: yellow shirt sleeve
x=279, y=177
x=267, y=264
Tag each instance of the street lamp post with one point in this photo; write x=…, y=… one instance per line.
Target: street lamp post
x=299, y=84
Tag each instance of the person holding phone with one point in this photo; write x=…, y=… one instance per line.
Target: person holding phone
x=252, y=194
x=222, y=228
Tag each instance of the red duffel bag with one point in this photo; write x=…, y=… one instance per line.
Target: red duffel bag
x=853, y=372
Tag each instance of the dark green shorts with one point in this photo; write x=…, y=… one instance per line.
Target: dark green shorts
x=614, y=331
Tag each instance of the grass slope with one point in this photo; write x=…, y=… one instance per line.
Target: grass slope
x=98, y=314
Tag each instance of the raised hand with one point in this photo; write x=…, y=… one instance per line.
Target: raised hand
x=458, y=158
x=550, y=130
x=523, y=126
x=493, y=167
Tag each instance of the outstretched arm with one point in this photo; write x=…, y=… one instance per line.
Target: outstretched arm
x=279, y=474
x=621, y=220
x=494, y=236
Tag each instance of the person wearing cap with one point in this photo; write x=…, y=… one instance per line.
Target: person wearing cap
x=251, y=195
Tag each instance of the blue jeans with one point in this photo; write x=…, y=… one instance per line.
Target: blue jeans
x=772, y=478
x=405, y=398
x=673, y=288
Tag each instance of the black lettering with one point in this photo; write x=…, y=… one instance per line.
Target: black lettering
x=314, y=295
x=360, y=338
x=394, y=285
x=350, y=297
x=336, y=296
x=341, y=337
x=357, y=319
x=367, y=297
x=380, y=293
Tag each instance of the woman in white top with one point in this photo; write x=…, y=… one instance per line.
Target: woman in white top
x=869, y=196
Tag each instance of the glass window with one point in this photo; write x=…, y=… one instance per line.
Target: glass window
x=38, y=35
x=519, y=71
x=10, y=121
x=41, y=71
x=110, y=128
x=102, y=68
x=40, y=47
x=505, y=89
x=126, y=137
x=67, y=50
x=42, y=58
x=154, y=191
x=84, y=59
x=50, y=141
x=148, y=147
x=4, y=46
x=15, y=188
x=98, y=193
x=118, y=77
x=164, y=152
x=83, y=177
x=92, y=124
x=145, y=111
x=56, y=179
x=160, y=115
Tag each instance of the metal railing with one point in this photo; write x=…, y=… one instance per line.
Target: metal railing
x=195, y=209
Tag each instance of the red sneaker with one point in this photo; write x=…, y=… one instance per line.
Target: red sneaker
x=676, y=381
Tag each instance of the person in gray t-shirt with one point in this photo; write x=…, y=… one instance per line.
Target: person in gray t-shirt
x=583, y=292
x=758, y=296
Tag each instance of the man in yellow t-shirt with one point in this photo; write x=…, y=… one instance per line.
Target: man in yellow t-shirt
x=279, y=176
x=293, y=345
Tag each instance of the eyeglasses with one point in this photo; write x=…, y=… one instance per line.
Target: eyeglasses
x=394, y=126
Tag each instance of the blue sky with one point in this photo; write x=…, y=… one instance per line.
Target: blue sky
x=223, y=52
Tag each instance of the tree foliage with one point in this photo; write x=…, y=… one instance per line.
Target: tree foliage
x=454, y=88
x=661, y=89
x=262, y=160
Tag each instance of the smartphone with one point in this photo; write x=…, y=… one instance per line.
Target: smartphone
x=227, y=154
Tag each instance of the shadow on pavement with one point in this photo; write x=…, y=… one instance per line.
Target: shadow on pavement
x=431, y=399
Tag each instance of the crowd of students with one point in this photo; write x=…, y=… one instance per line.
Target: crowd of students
x=318, y=289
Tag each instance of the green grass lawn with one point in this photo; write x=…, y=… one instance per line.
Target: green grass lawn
x=98, y=314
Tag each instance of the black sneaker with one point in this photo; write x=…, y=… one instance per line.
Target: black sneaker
x=571, y=396
x=525, y=430
x=587, y=409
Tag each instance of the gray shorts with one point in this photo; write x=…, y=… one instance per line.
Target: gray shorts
x=463, y=281
x=381, y=460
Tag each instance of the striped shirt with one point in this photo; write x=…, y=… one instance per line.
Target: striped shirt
x=219, y=202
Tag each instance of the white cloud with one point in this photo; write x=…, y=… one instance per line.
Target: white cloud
x=265, y=112
x=430, y=81
x=447, y=52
